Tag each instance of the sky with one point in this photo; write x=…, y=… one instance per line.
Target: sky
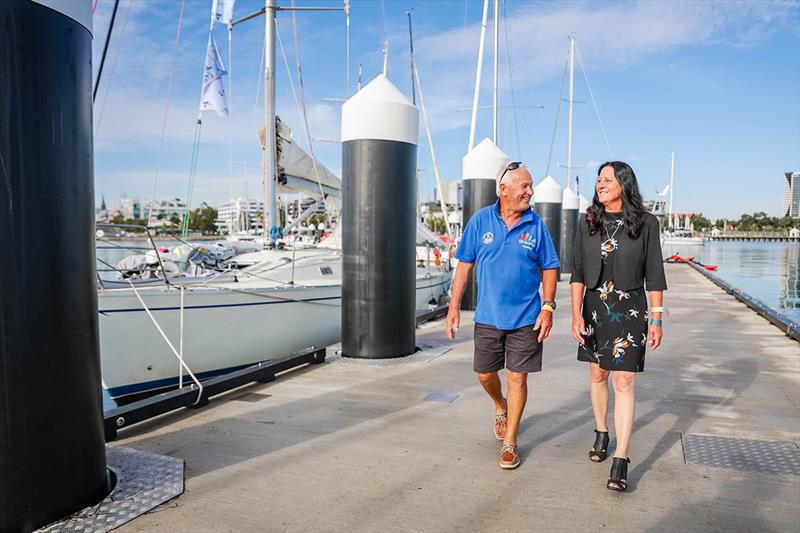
x=716, y=82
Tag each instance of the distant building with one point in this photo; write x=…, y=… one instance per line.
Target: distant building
x=242, y=215
x=791, y=195
x=130, y=207
x=453, y=194
x=164, y=209
x=133, y=207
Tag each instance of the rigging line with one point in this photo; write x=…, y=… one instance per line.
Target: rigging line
x=166, y=113
x=299, y=102
x=430, y=145
x=105, y=50
x=510, y=67
x=192, y=172
x=258, y=86
x=113, y=67
x=555, y=124
x=302, y=94
x=594, y=103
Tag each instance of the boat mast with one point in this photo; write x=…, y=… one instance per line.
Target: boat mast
x=571, y=94
x=496, y=68
x=270, y=159
x=411, y=57
x=671, y=180
x=477, y=92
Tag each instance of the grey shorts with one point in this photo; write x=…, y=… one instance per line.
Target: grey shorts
x=519, y=350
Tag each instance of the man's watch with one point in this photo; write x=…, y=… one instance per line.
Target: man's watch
x=549, y=305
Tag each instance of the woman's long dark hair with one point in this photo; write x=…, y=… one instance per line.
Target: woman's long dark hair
x=633, y=210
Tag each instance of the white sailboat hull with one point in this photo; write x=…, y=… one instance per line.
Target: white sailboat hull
x=224, y=328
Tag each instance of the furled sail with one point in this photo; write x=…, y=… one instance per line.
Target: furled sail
x=296, y=171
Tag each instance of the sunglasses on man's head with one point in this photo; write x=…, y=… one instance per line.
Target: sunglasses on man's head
x=514, y=165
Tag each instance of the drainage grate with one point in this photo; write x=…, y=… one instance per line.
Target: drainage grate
x=441, y=397
x=144, y=481
x=768, y=457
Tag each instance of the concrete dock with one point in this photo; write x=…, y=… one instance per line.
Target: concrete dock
x=354, y=446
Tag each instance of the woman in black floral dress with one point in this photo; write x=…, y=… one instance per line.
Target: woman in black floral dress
x=617, y=265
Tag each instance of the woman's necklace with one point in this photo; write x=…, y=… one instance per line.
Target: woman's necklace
x=610, y=244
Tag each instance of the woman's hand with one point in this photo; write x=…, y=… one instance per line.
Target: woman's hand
x=654, y=335
x=578, y=328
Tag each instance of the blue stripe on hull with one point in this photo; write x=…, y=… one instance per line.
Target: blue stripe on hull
x=124, y=390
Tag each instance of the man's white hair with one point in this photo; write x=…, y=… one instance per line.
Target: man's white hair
x=505, y=177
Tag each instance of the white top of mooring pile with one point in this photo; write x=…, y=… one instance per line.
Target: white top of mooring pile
x=570, y=200
x=484, y=162
x=584, y=205
x=78, y=10
x=380, y=111
x=548, y=191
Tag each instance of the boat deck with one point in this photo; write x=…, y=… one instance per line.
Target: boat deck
x=355, y=446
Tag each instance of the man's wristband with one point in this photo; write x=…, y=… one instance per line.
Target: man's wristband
x=656, y=322
x=547, y=307
x=658, y=309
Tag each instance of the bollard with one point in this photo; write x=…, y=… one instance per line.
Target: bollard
x=479, y=171
x=52, y=449
x=379, y=164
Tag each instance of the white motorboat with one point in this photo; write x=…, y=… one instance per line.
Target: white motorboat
x=680, y=237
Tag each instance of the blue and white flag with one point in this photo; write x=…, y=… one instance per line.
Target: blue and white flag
x=213, y=94
x=222, y=11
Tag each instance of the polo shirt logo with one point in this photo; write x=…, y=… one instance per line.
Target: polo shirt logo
x=488, y=237
x=527, y=240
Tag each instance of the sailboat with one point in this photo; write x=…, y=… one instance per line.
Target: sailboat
x=155, y=335
x=674, y=236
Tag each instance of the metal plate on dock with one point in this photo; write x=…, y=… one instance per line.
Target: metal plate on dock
x=144, y=481
x=428, y=351
x=441, y=397
x=251, y=397
x=768, y=457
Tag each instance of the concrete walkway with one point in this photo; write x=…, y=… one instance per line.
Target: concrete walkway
x=353, y=447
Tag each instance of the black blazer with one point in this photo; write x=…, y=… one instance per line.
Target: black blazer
x=637, y=262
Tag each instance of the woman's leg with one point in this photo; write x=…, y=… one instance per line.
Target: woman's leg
x=598, y=390
x=624, y=396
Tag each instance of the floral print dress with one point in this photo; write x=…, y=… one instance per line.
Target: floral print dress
x=616, y=321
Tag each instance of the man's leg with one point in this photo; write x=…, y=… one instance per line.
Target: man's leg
x=494, y=387
x=489, y=358
x=517, y=397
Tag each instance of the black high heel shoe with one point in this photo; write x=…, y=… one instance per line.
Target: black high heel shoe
x=600, y=449
x=619, y=474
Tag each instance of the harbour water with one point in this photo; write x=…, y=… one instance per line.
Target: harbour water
x=769, y=271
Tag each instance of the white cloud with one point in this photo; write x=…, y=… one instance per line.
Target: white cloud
x=608, y=36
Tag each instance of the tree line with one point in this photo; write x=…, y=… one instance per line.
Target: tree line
x=200, y=219
x=758, y=221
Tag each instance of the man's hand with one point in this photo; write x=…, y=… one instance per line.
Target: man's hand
x=654, y=335
x=543, y=324
x=452, y=322
x=578, y=328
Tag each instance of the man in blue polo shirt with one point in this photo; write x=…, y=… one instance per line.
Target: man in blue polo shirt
x=513, y=251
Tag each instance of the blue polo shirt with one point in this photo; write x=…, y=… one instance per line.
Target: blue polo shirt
x=508, y=263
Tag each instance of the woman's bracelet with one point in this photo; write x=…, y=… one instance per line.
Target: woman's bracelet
x=658, y=309
x=656, y=322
